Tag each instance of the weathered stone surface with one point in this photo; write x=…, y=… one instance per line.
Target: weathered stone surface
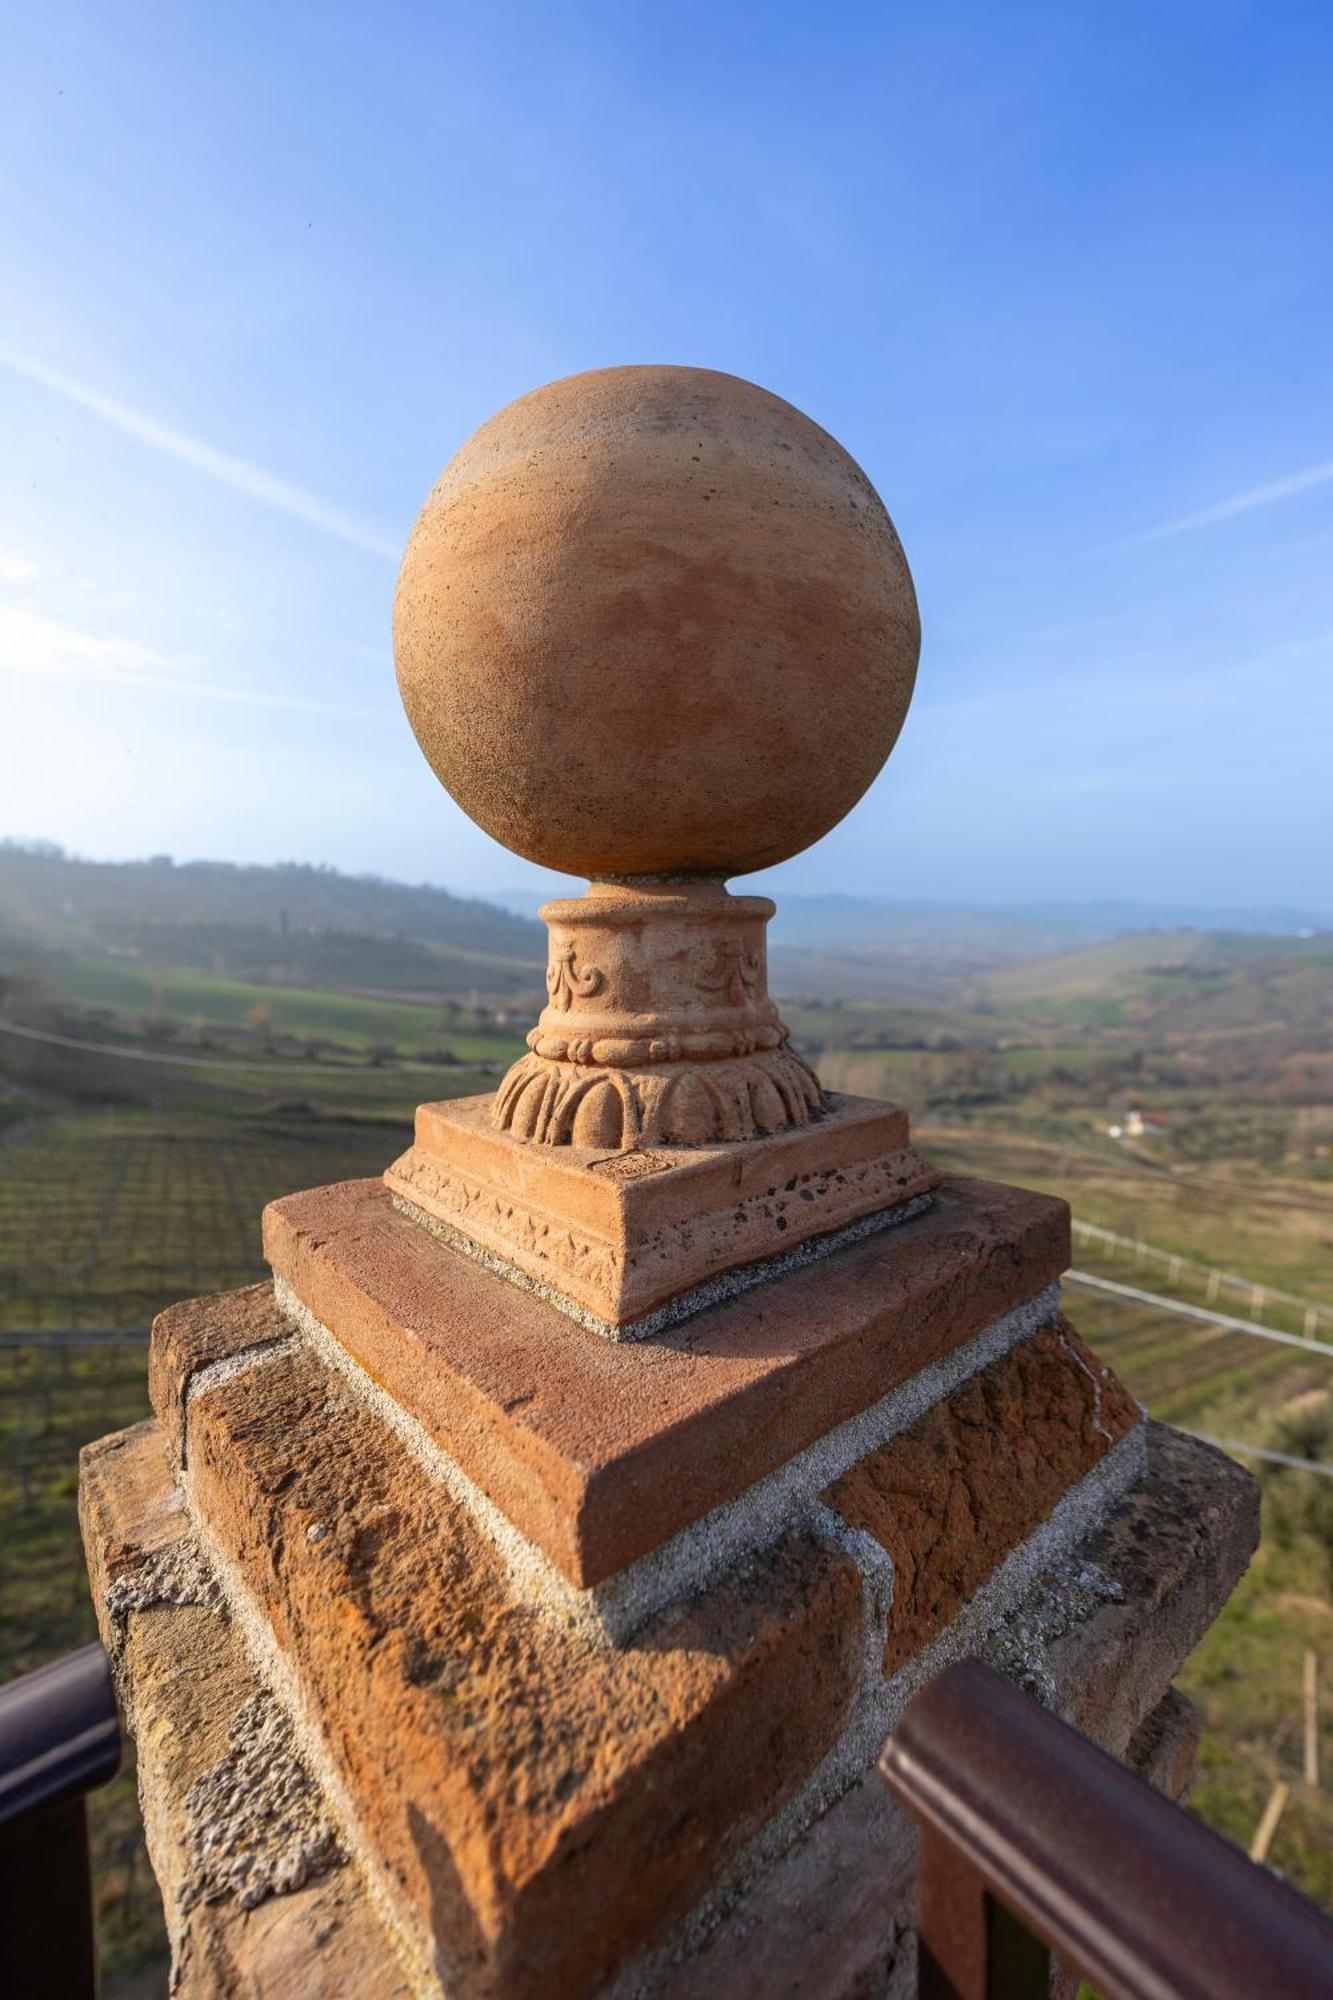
x=831, y=1921
x=1164, y=1746
x=709, y=634
x=835, y=1916
x=599, y=1451
x=193, y=1336
x=949, y=1498
x=615, y=1237
x=1178, y=1544
x=260, y=1902
x=538, y=1805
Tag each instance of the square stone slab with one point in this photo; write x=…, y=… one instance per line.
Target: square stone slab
x=625, y=1242
x=599, y=1451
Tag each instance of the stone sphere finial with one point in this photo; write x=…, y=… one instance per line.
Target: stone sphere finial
x=654, y=621
x=654, y=627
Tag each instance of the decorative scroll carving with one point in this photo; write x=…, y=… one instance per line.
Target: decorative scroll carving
x=565, y=983
x=479, y=1212
x=736, y=973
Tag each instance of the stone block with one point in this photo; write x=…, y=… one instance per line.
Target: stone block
x=1164, y=1746
x=834, y=1912
x=260, y=1901
x=193, y=1336
x=600, y=1452
x=1179, y=1544
x=534, y=1804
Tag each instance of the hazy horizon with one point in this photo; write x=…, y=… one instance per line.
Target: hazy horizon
x=1060, y=279
x=525, y=896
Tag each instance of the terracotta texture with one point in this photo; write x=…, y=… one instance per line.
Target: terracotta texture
x=658, y=1029
x=537, y=1806
x=598, y=1451
x=654, y=621
x=618, y=1236
x=283, y=1916
x=950, y=1497
x=193, y=1336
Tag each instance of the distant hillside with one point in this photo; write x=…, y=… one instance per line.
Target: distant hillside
x=288, y=923
x=1170, y=962
x=1247, y=1004
x=857, y=947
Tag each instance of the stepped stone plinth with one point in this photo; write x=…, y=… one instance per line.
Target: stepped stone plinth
x=510, y=1597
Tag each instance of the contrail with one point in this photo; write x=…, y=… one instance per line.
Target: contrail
x=237, y=473
x=33, y=644
x=1240, y=503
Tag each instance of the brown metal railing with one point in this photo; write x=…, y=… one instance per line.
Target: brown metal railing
x=59, y=1740
x=1034, y=1844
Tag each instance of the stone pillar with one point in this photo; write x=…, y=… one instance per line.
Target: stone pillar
x=510, y=1598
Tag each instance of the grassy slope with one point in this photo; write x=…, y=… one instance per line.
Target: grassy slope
x=1276, y=1232
x=201, y=1000
x=1246, y=1679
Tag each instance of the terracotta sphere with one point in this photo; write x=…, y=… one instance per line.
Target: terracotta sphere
x=654, y=621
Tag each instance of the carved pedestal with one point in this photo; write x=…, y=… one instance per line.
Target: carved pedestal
x=658, y=1029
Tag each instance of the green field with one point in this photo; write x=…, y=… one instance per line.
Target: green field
x=189, y=1004
x=1276, y=1228
x=105, y=1219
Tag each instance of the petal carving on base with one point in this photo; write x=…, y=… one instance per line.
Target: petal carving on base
x=553, y=1103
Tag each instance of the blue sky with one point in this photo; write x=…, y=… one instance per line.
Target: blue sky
x=1060, y=277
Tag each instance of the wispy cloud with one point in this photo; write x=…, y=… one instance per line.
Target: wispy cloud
x=221, y=466
x=1239, y=503
x=15, y=567
x=33, y=644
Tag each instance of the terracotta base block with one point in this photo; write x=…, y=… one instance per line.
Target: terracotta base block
x=536, y=1804
x=599, y=1452
x=626, y=1242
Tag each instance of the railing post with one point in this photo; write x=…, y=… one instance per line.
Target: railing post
x=1027, y=1832
x=59, y=1739
x=969, y=1947
x=48, y=1943
x=950, y=1923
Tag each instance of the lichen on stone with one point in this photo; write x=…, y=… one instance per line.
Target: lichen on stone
x=256, y=1823
x=1019, y=1647
x=177, y=1574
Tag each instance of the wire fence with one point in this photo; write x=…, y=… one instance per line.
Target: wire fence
x=1226, y=1321
x=1263, y=1302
